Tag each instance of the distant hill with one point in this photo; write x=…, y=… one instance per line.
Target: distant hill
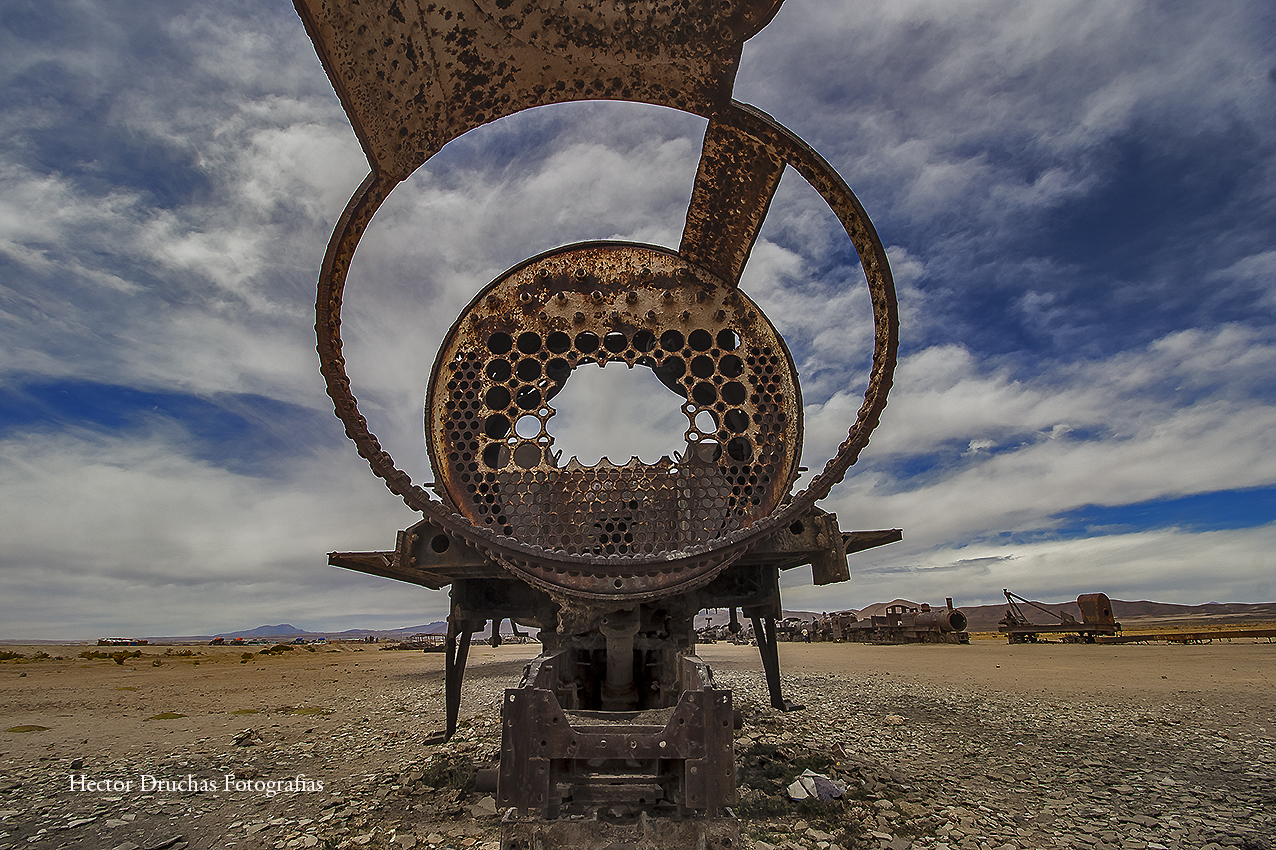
x=281, y=630
x=285, y=630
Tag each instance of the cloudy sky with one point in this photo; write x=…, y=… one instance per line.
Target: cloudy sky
x=1078, y=198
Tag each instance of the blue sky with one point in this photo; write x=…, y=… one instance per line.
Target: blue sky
x=1078, y=199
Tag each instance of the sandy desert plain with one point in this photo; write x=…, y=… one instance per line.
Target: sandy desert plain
x=992, y=746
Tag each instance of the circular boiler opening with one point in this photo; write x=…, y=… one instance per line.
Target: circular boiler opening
x=618, y=413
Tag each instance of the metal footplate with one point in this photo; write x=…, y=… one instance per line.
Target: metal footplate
x=632, y=779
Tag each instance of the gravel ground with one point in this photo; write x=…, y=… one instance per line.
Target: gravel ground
x=933, y=757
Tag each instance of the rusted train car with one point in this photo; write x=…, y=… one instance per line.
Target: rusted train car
x=897, y=624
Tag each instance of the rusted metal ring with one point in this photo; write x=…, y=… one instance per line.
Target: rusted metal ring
x=615, y=578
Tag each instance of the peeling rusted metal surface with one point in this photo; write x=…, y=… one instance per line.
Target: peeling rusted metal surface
x=735, y=181
x=414, y=75
x=1096, y=608
x=611, y=561
x=490, y=405
x=636, y=576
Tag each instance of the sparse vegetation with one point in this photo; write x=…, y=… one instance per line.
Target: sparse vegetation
x=763, y=808
x=277, y=649
x=6, y=655
x=27, y=729
x=765, y=770
x=118, y=657
x=166, y=715
x=450, y=770
x=768, y=767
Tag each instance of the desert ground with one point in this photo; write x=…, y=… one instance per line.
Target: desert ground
x=980, y=747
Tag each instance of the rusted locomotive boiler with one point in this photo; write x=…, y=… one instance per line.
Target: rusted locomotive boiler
x=618, y=732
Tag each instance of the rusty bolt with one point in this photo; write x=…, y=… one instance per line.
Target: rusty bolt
x=597, y=295
x=582, y=274
x=720, y=316
x=651, y=315
x=632, y=297
x=668, y=296
x=580, y=318
x=701, y=295
x=686, y=315
x=560, y=297
x=644, y=272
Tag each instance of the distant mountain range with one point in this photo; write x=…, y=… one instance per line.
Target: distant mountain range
x=982, y=618
x=290, y=631
x=286, y=630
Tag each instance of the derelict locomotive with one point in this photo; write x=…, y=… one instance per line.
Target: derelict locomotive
x=618, y=731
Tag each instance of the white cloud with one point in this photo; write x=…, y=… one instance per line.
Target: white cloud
x=1185, y=568
x=963, y=126
x=112, y=533
x=1256, y=271
x=1191, y=414
x=617, y=413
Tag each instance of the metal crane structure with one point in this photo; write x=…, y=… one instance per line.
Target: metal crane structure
x=1096, y=615
x=617, y=734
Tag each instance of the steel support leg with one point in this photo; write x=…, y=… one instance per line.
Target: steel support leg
x=770, y=652
x=457, y=651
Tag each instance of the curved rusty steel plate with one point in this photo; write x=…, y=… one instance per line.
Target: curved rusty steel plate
x=414, y=76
